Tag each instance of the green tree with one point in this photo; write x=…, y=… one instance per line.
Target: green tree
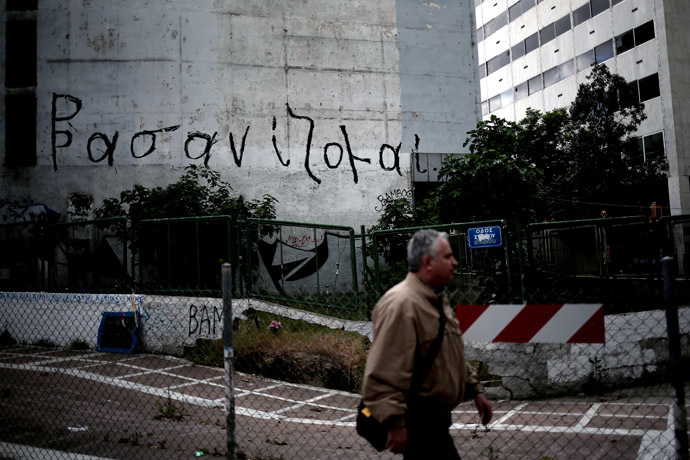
x=494, y=181
x=603, y=168
x=199, y=192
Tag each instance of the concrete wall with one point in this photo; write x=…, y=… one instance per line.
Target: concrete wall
x=318, y=103
x=635, y=352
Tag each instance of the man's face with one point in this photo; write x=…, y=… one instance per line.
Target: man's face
x=441, y=268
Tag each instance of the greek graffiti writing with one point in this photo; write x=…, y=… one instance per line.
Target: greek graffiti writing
x=198, y=145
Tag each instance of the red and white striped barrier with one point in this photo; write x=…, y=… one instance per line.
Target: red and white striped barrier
x=559, y=323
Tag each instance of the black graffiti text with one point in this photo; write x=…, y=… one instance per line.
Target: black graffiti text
x=203, y=320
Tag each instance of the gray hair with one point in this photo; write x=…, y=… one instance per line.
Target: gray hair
x=423, y=243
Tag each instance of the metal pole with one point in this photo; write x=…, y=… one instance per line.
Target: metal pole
x=680, y=424
x=229, y=354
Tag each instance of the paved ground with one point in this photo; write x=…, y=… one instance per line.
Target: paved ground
x=145, y=406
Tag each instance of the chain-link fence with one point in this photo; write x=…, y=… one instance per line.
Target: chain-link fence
x=141, y=374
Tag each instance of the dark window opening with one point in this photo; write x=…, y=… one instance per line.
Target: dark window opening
x=654, y=146
x=21, y=5
x=547, y=34
x=20, y=129
x=599, y=6
x=649, y=87
x=603, y=52
x=531, y=43
x=562, y=25
x=644, y=33
x=625, y=42
x=518, y=50
x=581, y=14
x=635, y=91
x=21, y=54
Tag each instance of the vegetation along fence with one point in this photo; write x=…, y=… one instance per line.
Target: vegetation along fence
x=128, y=356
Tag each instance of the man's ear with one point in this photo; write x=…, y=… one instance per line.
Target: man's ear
x=426, y=261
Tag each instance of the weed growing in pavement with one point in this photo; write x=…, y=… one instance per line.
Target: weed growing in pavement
x=168, y=410
x=45, y=343
x=491, y=453
x=79, y=345
x=6, y=338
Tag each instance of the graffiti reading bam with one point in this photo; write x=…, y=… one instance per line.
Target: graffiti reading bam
x=198, y=145
x=203, y=320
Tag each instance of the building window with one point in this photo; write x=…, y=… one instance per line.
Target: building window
x=603, y=52
x=653, y=146
x=482, y=70
x=581, y=14
x=547, y=34
x=562, y=25
x=495, y=63
x=500, y=21
x=550, y=77
x=585, y=60
x=644, y=33
x=518, y=50
x=507, y=98
x=515, y=11
x=625, y=42
x=521, y=91
x=534, y=84
x=485, y=108
x=20, y=83
x=531, y=43
x=495, y=103
x=634, y=90
x=615, y=2
x=599, y=6
x=649, y=87
x=566, y=69
x=480, y=34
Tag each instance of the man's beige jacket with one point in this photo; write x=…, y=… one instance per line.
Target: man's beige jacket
x=405, y=324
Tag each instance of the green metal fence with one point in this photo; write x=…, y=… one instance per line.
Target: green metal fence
x=483, y=275
x=75, y=256
x=185, y=253
x=615, y=261
x=309, y=264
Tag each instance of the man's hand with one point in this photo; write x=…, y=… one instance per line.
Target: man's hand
x=483, y=406
x=397, y=440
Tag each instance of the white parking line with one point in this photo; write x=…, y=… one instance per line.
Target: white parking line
x=20, y=452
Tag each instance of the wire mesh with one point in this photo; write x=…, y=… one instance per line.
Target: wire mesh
x=299, y=368
x=303, y=263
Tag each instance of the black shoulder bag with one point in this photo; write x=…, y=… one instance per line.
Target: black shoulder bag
x=374, y=431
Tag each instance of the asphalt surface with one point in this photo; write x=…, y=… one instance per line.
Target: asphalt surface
x=107, y=405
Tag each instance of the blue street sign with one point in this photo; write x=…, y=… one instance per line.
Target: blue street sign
x=484, y=237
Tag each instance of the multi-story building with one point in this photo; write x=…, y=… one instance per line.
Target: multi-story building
x=535, y=54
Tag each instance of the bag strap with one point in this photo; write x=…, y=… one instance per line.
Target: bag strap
x=430, y=357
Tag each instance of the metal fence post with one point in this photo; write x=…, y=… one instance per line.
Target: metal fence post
x=679, y=412
x=229, y=354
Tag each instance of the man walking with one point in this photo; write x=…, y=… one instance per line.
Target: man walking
x=406, y=324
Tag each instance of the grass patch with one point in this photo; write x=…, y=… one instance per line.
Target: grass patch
x=297, y=352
